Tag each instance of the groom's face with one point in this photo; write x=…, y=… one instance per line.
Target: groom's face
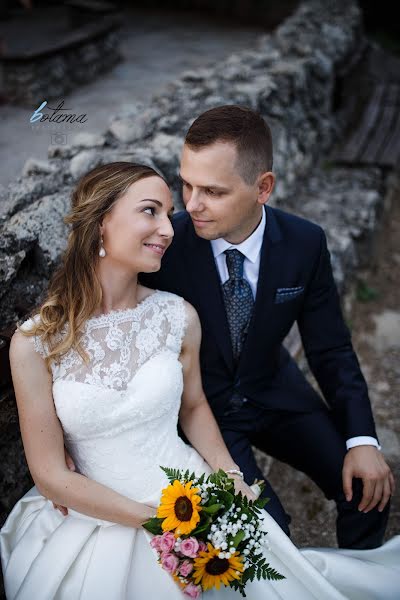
x=220, y=203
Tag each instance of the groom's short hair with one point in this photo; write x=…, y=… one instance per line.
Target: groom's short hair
x=242, y=126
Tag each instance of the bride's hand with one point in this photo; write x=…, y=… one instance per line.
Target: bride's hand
x=241, y=486
x=71, y=466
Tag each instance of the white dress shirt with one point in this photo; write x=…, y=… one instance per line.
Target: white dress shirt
x=251, y=249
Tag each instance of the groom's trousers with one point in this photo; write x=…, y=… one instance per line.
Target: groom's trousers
x=310, y=443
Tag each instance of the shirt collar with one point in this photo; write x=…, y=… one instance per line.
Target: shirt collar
x=251, y=246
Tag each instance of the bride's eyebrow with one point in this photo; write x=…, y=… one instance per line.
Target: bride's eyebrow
x=151, y=200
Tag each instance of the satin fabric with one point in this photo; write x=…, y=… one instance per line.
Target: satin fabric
x=119, y=415
x=46, y=555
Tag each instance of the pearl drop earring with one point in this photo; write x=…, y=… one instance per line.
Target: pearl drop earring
x=102, y=251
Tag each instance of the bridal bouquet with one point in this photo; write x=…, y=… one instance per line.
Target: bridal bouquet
x=205, y=534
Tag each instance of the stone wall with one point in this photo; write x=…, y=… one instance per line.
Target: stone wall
x=290, y=78
x=58, y=67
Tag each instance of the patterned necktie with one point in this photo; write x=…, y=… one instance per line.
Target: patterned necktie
x=238, y=299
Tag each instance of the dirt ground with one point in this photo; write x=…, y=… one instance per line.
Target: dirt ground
x=373, y=314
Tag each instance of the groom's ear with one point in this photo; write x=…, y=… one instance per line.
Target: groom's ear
x=266, y=182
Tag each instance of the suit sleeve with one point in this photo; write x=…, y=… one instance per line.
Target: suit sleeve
x=151, y=280
x=329, y=351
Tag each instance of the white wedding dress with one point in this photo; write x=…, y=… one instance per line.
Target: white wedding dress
x=119, y=415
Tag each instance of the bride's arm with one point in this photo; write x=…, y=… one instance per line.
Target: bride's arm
x=196, y=417
x=43, y=441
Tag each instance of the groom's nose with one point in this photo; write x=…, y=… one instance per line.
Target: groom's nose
x=194, y=203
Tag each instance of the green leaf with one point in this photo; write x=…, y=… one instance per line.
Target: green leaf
x=212, y=500
x=211, y=510
x=172, y=474
x=226, y=498
x=188, y=476
x=202, y=526
x=239, y=537
x=154, y=525
x=221, y=473
x=261, y=502
x=267, y=572
x=218, y=477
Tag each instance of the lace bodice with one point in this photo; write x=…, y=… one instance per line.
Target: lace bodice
x=119, y=412
x=120, y=342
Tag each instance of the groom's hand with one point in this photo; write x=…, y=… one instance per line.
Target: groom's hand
x=71, y=466
x=367, y=463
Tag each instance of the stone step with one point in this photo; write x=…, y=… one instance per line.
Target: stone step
x=375, y=140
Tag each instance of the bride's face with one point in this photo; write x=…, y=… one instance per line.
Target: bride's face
x=138, y=230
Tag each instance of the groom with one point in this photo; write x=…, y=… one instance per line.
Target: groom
x=251, y=271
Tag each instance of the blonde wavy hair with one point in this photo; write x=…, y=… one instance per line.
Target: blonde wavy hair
x=74, y=291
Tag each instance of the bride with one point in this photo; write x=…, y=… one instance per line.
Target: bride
x=106, y=368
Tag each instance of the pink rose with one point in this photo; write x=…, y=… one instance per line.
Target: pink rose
x=189, y=547
x=202, y=546
x=185, y=568
x=155, y=543
x=192, y=590
x=167, y=542
x=170, y=563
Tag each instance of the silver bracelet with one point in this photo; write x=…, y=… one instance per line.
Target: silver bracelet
x=236, y=472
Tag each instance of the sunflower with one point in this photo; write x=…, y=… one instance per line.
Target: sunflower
x=211, y=571
x=180, y=507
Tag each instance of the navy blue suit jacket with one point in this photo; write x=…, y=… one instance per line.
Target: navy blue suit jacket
x=295, y=284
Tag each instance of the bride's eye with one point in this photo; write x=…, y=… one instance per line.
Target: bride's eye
x=151, y=209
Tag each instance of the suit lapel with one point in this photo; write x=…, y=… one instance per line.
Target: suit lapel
x=206, y=287
x=268, y=278
x=205, y=282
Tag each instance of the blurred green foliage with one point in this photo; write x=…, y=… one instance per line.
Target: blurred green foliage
x=365, y=293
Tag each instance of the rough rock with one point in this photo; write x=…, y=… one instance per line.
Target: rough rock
x=37, y=167
x=83, y=162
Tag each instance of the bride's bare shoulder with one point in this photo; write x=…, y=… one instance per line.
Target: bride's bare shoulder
x=24, y=347
x=21, y=346
x=193, y=326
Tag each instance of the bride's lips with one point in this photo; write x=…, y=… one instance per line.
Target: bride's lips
x=157, y=248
